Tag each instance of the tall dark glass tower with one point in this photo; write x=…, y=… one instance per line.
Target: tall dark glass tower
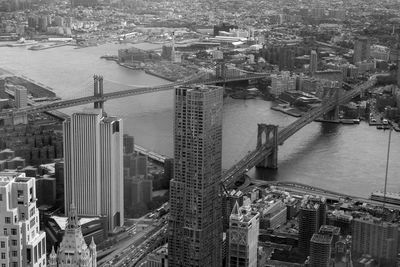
x=195, y=222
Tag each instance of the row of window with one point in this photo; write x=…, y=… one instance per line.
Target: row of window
x=13, y=231
x=14, y=253
x=3, y=243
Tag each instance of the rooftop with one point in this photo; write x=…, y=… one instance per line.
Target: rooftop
x=321, y=239
x=62, y=221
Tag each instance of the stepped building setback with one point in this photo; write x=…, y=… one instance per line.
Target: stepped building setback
x=22, y=244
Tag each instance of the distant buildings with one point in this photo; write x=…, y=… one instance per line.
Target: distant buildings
x=73, y=250
x=243, y=237
x=226, y=27
x=21, y=241
x=313, y=62
x=362, y=49
x=282, y=82
x=138, y=187
x=93, y=170
x=195, y=225
x=21, y=97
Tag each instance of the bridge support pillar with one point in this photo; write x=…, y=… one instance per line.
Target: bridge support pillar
x=332, y=115
x=98, y=90
x=271, y=140
x=329, y=93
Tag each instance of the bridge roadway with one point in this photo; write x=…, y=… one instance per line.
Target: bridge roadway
x=254, y=157
x=124, y=93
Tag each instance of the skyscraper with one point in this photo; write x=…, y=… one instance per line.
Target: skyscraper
x=362, y=49
x=243, y=237
x=21, y=241
x=313, y=62
x=93, y=170
x=195, y=221
x=320, y=250
x=312, y=216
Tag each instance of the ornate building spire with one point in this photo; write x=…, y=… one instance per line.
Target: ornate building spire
x=53, y=258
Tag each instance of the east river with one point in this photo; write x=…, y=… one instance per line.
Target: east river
x=346, y=158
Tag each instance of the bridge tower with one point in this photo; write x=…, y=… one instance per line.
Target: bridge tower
x=98, y=90
x=271, y=140
x=329, y=93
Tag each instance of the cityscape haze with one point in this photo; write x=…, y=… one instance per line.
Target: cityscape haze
x=197, y=133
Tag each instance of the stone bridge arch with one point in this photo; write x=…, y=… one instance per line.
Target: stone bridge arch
x=267, y=134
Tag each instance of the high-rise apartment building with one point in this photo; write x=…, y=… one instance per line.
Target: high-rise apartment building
x=320, y=250
x=93, y=170
x=243, y=237
x=22, y=244
x=313, y=62
x=312, y=215
x=362, y=49
x=21, y=97
x=195, y=221
x=377, y=238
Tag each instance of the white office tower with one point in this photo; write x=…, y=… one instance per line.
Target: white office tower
x=22, y=244
x=93, y=170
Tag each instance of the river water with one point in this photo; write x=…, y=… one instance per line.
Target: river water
x=346, y=158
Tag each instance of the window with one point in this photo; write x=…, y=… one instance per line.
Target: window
x=13, y=242
x=20, y=193
x=7, y=220
x=5, y=231
x=3, y=255
x=14, y=231
x=2, y=244
x=1, y=197
x=3, y=265
x=14, y=253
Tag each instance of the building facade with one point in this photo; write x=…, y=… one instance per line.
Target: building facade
x=22, y=244
x=313, y=62
x=320, y=250
x=377, y=238
x=195, y=221
x=243, y=237
x=21, y=97
x=93, y=170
